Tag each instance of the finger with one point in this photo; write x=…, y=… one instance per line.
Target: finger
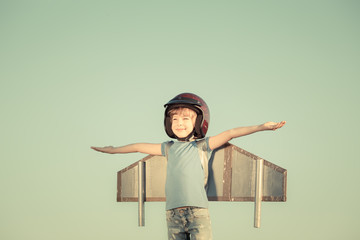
x=279, y=125
x=276, y=126
x=99, y=149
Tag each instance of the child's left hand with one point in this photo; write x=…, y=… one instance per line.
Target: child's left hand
x=273, y=125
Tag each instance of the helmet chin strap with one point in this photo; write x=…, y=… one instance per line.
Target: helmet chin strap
x=188, y=137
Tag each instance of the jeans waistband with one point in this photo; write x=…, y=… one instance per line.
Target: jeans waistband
x=183, y=209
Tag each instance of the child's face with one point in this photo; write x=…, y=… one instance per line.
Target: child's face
x=183, y=122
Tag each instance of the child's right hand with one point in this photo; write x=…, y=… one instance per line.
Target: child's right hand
x=107, y=149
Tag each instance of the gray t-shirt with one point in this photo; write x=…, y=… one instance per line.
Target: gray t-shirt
x=185, y=174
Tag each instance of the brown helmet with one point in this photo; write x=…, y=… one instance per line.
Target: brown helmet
x=194, y=102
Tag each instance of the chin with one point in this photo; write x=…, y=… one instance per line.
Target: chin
x=181, y=136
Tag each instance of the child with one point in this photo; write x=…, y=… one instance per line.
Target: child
x=187, y=119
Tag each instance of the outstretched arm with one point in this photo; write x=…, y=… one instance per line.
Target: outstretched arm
x=224, y=137
x=147, y=148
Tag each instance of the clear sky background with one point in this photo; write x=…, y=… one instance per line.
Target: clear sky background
x=76, y=74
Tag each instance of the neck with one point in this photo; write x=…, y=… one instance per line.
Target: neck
x=188, y=138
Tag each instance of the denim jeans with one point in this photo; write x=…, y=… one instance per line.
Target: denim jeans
x=189, y=223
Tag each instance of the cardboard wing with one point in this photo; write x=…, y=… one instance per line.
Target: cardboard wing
x=234, y=175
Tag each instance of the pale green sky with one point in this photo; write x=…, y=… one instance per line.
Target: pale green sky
x=81, y=73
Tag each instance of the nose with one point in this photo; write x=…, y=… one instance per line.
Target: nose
x=180, y=122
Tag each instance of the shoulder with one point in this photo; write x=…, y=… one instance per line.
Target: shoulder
x=167, y=143
x=203, y=144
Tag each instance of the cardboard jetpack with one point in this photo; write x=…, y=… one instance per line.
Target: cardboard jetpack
x=233, y=175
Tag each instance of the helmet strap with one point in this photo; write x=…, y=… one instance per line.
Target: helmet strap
x=188, y=137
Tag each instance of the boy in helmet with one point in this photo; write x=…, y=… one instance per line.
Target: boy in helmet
x=187, y=119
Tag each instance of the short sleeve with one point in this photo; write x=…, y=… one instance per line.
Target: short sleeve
x=165, y=147
x=208, y=145
x=204, y=146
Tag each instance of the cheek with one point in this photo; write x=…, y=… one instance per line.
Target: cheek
x=191, y=125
